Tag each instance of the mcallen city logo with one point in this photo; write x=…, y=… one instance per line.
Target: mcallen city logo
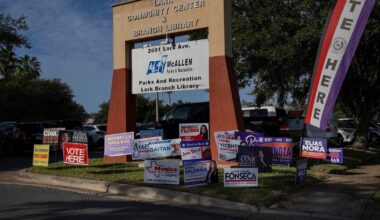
x=157, y=66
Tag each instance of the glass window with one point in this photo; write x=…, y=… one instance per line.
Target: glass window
x=180, y=113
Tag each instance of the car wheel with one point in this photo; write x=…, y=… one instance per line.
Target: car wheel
x=90, y=143
x=11, y=149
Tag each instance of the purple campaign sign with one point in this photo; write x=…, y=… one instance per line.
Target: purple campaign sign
x=282, y=149
x=251, y=138
x=335, y=155
x=118, y=144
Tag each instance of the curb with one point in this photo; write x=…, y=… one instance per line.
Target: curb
x=158, y=195
x=141, y=192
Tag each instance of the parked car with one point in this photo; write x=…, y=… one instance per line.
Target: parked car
x=293, y=125
x=269, y=118
x=11, y=138
x=186, y=113
x=95, y=134
x=32, y=133
x=373, y=130
x=346, y=132
x=195, y=113
x=331, y=133
x=374, y=133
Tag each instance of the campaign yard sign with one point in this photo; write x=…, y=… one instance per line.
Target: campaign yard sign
x=41, y=155
x=228, y=149
x=301, y=171
x=258, y=157
x=118, y=144
x=228, y=135
x=241, y=177
x=75, y=153
x=72, y=137
x=51, y=137
x=140, y=147
x=171, y=67
x=165, y=148
x=282, y=149
x=192, y=150
x=335, y=155
x=151, y=133
x=194, y=131
x=195, y=173
x=314, y=148
x=250, y=138
x=161, y=171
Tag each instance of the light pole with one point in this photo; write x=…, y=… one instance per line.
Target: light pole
x=170, y=98
x=157, y=101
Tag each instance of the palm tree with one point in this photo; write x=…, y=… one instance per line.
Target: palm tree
x=28, y=67
x=8, y=61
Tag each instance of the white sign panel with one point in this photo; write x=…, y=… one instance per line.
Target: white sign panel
x=140, y=147
x=161, y=171
x=228, y=149
x=241, y=177
x=165, y=148
x=171, y=67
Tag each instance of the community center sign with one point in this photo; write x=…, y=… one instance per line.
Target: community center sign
x=172, y=67
x=192, y=65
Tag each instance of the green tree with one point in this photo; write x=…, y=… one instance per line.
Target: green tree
x=38, y=99
x=102, y=115
x=275, y=44
x=145, y=108
x=361, y=90
x=275, y=47
x=10, y=39
x=28, y=68
x=23, y=96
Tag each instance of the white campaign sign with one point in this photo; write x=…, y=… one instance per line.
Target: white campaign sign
x=241, y=177
x=171, y=67
x=161, y=171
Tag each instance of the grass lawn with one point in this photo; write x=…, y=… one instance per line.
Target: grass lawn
x=272, y=186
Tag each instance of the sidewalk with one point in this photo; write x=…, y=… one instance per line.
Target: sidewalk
x=344, y=195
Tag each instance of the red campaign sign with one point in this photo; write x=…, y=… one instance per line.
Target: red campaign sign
x=75, y=153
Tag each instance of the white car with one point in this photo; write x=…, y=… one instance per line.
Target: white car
x=95, y=134
x=331, y=133
x=346, y=131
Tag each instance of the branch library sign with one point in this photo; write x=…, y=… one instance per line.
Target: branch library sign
x=205, y=64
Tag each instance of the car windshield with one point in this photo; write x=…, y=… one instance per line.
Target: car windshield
x=102, y=127
x=346, y=124
x=256, y=113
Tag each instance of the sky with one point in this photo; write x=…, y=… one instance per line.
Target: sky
x=73, y=41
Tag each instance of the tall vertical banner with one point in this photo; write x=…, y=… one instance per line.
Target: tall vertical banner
x=341, y=37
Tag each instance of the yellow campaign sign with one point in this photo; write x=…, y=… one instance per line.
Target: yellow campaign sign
x=41, y=155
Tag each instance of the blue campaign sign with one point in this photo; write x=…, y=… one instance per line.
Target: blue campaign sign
x=151, y=133
x=195, y=150
x=301, y=171
x=195, y=173
x=335, y=155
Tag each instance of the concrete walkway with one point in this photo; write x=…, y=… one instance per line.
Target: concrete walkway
x=343, y=195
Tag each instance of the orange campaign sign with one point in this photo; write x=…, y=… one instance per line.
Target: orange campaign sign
x=75, y=153
x=41, y=155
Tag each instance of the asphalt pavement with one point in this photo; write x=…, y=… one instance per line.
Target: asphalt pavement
x=19, y=200
x=33, y=202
